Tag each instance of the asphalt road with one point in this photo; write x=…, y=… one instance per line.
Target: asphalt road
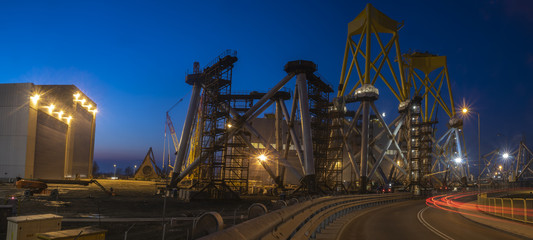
x=414, y=220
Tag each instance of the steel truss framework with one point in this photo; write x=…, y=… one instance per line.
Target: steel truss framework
x=427, y=78
x=373, y=32
x=516, y=166
x=524, y=163
x=241, y=127
x=406, y=150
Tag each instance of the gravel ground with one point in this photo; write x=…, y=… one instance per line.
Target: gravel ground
x=133, y=199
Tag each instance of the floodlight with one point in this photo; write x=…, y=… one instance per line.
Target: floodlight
x=262, y=157
x=35, y=98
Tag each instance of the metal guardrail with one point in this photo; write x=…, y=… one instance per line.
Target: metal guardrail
x=520, y=209
x=303, y=220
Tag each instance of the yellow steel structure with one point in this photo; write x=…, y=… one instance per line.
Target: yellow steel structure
x=430, y=89
x=371, y=21
x=373, y=42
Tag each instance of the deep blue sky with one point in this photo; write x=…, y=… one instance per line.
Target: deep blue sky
x=131, y=57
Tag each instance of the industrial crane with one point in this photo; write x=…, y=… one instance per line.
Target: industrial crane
x=169, y=127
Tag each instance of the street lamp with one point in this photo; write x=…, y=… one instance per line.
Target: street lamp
x=115, y=174
x=505, y=155
x=465, y=112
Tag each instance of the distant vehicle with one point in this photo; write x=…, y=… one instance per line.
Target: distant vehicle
x=386, y=189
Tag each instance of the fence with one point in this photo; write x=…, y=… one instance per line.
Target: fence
x=303, y=220
x=520, y=209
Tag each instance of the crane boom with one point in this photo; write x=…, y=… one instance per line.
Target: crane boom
x=170, y=126
x=172, y=132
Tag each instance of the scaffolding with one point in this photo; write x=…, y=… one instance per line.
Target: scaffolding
x=211, y=173
x=335, y=152
x=318, y=92
x=322, y=132
x=237, y=154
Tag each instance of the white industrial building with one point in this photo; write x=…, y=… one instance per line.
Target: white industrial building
x=46, y=131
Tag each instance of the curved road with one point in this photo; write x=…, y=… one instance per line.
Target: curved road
x=414, y=220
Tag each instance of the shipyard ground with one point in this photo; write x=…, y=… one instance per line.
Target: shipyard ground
x=134, y=202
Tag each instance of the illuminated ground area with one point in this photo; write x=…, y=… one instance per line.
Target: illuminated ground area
x=134, y=199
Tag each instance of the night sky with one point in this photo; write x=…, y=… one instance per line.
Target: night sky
x=131, y=57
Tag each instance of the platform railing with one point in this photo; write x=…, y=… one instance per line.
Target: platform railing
x=304, y=220
x=519, y=209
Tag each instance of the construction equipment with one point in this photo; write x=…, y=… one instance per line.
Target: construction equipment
x=169, y=126
x=40, y=186
x=32, y=185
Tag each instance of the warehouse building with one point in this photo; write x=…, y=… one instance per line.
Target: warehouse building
x=46, y=132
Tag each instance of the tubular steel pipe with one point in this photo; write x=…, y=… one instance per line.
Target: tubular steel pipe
x=268, y=95
x=187, y=128
x=279, y=139
x=364, y=144
x=292, y=132
x=306, y=125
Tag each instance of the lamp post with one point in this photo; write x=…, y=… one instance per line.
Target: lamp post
x=115, y=172
x=465, y=111
x=506, y=165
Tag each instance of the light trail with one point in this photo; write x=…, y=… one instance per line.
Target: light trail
x=449, y=202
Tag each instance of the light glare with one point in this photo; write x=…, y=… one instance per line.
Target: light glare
x=51, y=108
x=35, y=98
x=262, y=157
